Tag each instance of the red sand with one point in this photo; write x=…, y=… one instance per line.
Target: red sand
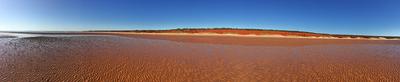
x=256, y=41
x=242, y=32
x=258, y=32
x=196, y=58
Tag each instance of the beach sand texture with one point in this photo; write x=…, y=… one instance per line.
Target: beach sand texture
x=177, y=58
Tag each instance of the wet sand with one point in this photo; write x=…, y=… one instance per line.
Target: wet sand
x=135, y=57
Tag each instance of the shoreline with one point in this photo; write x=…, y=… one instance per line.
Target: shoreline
x=202, y=34
x=235, y=35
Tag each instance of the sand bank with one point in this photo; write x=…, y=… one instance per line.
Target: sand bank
x=241, y=35
x=254, y=40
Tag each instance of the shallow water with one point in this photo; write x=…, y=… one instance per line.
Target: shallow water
x=130, y=58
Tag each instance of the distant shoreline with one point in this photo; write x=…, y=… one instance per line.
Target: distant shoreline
x=231, y=32
x=232, y=35
x=249, y=32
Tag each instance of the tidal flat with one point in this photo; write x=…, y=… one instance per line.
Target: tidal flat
x=177, y=58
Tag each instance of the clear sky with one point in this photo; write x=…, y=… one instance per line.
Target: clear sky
x=370, y=17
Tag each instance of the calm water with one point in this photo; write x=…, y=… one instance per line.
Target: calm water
x=130, y=58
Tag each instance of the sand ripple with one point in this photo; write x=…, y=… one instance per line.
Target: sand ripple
x=113, y=58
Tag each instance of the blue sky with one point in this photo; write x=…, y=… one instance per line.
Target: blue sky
x=370, y=17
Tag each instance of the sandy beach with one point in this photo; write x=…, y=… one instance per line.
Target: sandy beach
x=182, y=58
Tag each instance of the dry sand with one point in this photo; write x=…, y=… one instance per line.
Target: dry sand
x=140, y=57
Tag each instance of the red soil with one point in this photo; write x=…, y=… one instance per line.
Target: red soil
x=241, y=32
x=258, y=32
